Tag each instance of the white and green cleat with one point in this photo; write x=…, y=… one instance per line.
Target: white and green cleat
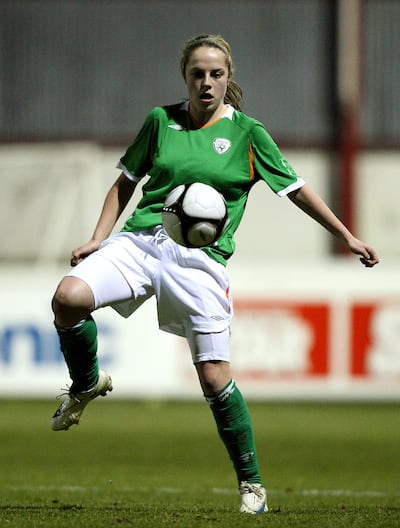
x=254, y=498
x=71, y=409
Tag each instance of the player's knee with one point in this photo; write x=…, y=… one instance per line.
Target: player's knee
x=72, y=295
x=214, y=376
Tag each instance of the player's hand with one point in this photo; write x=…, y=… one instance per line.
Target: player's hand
x=82, y=252
x=369, y=256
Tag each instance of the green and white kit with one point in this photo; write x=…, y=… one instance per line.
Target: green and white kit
x=192, y=289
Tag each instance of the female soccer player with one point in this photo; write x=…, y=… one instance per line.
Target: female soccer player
x=207, y=139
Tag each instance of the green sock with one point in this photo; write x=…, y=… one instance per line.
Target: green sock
x=236, y=431
x=78, y=343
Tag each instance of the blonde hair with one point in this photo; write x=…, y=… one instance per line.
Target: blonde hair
x=234, y=93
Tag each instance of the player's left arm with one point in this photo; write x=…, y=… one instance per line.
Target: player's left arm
x=313, y=205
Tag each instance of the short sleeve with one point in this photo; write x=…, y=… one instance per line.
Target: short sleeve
x=138, y=158
x=269, y=163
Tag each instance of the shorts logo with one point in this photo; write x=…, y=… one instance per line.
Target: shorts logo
x=221, y=145
x=218, y=318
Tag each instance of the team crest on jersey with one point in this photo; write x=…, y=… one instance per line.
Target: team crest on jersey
x=221, y=145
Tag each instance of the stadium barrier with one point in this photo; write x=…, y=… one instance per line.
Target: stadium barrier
x=52, y=195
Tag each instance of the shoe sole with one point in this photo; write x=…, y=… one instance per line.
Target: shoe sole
x=263, y=509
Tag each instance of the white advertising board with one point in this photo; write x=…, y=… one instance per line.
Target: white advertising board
x=324, y=332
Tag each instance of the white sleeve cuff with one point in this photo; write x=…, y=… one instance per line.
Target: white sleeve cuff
x=130, y=176
x=296, y=185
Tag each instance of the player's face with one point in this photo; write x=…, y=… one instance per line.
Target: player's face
x=206, y=77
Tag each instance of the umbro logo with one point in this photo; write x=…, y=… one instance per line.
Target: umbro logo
x=218, y=317
x=221, y=145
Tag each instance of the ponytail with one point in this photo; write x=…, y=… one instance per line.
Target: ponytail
x=233, y=95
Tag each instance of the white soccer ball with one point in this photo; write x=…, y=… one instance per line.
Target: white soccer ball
x=194, y=215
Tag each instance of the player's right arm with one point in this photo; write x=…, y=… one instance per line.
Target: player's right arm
x=115, y=202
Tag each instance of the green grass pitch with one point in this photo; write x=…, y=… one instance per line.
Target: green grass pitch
x=161, y=464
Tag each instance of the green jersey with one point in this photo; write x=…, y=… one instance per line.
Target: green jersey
x=230, y=154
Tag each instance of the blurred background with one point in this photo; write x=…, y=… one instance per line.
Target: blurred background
x=78, y=77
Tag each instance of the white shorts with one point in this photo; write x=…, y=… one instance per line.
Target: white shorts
x=192, y=289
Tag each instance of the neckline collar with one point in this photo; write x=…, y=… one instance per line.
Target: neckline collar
x=228, y=113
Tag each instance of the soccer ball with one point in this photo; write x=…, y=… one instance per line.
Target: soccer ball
x=194, y=215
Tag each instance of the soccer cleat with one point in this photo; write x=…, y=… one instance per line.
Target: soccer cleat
x=71, y=409
x=254, y=498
